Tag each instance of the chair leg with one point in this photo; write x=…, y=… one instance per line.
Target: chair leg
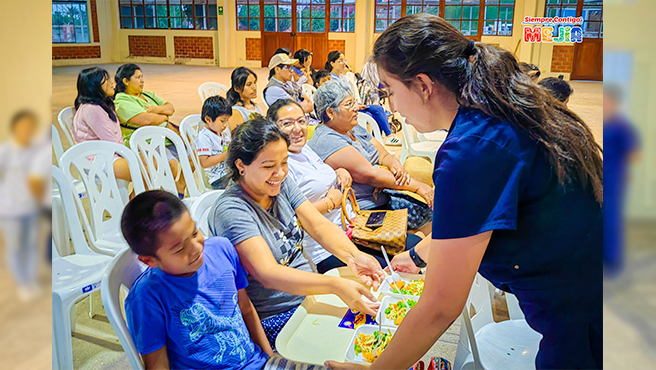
x=91, y=305
x=61, y=327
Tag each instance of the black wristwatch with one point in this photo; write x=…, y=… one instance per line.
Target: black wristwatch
x=416, y=259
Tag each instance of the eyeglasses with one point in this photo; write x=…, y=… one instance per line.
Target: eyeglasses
x=352, y=105
x=286, y=66
x=344, y=61
x=287, y=124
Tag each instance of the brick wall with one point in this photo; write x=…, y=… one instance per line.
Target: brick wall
x=147, y=46
x=193, y=47
x=75, y=52
x=562, y=59
x=253, y=49
x=337, y=45
x=94, y=21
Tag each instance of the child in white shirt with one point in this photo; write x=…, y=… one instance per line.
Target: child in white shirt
x=213, y=140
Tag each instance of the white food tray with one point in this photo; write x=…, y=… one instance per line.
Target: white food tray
x=386, y=289
x=387, y=300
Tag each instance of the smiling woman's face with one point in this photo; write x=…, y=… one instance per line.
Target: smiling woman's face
x=293, y=122
x=263, y=177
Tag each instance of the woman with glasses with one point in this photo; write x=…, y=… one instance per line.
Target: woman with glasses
x=342, y=143
x=280, y=74
x=265, y=216
x=336, y=65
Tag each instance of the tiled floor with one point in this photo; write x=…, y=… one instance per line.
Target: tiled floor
x=94, y=344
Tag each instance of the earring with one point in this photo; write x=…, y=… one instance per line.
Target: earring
x=330, y=118
x=241, y=172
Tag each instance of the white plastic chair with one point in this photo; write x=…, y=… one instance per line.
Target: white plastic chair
x=485, y=344
x=106, y=197
x=200, y=210
x=439, y=135
x=309, y=90
x=189, y=129
x=413, y=147
x=73, y=277
x=149, y=145
x=57, y=146
x=65, y=119
x=120, y=275
x=208, y=89
x=369, y=123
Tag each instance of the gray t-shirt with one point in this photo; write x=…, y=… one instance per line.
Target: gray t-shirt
x=326, y=141
x=236, y=216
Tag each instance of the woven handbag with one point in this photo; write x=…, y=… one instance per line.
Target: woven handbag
x=392, y=234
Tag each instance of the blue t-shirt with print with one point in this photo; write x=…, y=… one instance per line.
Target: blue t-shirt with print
x=197, y=317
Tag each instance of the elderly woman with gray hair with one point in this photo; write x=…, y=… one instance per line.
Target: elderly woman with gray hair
x=341, y=143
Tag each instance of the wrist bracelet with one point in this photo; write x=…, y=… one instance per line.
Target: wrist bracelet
x=327, y=205
x=416, y=259
x=333, y=201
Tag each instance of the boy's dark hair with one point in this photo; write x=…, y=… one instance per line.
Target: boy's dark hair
x=148, y=215
x=272, y=113
x=248, y=140
x=216, y=106
x=21, y=115
x=318, y=75
x=557, y=87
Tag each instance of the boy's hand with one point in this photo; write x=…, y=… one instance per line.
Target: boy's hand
x=367, y=268
x=351, y=293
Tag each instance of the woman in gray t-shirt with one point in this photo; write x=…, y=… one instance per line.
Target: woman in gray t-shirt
x=261, y=212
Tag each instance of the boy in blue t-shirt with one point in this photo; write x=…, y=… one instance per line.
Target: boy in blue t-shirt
x=190, y=309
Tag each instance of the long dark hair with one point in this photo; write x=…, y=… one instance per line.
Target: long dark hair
x=332, y=56
x=89, y=90
x=238, y=79
x=248, y=140
x=488, y=78
x=125, y=71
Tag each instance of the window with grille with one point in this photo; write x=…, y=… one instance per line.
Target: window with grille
x=70, y=22
x=172, y=14
x=498, y=17
x=342, y=15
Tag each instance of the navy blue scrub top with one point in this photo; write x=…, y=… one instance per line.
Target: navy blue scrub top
x=490, y=175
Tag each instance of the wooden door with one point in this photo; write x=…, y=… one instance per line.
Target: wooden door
x=589, y=55
x=295, y=24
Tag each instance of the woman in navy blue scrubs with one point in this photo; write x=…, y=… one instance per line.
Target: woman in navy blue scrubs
x=518, y=194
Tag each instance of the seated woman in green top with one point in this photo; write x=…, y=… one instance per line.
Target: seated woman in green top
x=136, y=108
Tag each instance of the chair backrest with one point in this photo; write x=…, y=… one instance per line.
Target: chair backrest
x=479, y=299
x=149, y=145
x=70, y=212
x=121, y=272
x=309, y=90
x=514, y=310
x=208, y=89
x=370, y=124
x=65, y=119
x=56, y=143
x=408, y=133
x=200, y=210
x=93, y=163
x=189, y=129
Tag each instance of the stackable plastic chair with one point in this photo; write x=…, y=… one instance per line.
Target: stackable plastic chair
x=107, y=195
x=189, y=129
x=412, y=146
x=309, y=90
x=200, y=210
x=149, y=145
x=489, y=345
x=120, y=276
x=208, y=89
x=65, y=118
x=73, y=277
x=369, y=123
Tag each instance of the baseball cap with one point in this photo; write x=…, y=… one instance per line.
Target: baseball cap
x=281, y=59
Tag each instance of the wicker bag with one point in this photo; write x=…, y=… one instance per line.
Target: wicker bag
x=392, y=234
